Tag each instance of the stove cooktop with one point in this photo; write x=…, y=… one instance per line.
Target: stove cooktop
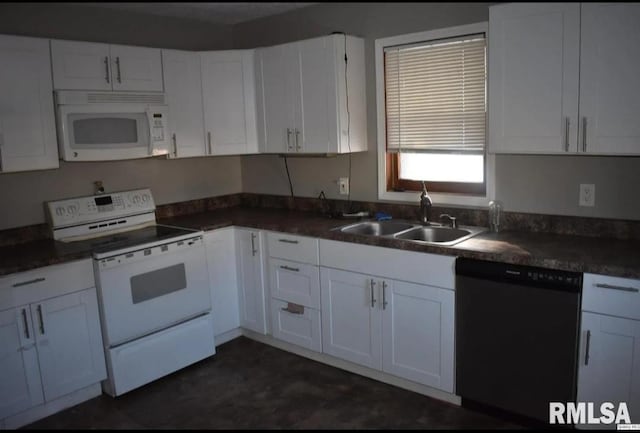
x=134, y=238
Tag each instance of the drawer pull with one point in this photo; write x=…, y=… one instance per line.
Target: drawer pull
x=586, y=350
x=288, y=268
x=26, y=283
x=288, y=241
x=26, y=324
x=622, y=288
x=293, y=308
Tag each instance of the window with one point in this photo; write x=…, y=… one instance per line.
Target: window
x=432, y=88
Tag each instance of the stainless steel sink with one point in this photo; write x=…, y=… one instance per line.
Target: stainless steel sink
x=435, y=234
x=438, y=235
x=376, y=228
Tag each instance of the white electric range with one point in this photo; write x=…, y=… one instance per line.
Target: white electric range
x=152, y=283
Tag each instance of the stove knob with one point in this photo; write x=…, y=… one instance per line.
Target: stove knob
x=145, y=198
x=136, y=199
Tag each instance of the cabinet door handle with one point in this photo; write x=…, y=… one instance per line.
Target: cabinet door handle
x=288, y=241
x=253, y=244
x=1, y=144
x=27, y=334
x=289, y=132
x=297, y=137
x=372, y=285
x=41, y=320
x=175, y=145
x=622, y=288
x=566, y=133
x=106, y=69
x=209, y=141
x=26, y=283
x=384, y=295
x=587, y=348
x=288, y=268
x=584, y=134
x=119, y=76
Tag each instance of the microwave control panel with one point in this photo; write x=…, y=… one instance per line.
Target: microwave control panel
x=83, y=210
x=158, y=123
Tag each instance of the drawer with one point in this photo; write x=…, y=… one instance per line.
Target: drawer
x=300, y=326
x=611, y=295
x=295, y=282
x=290, y=247
x=46, y=282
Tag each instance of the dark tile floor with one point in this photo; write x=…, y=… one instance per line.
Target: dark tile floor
x=250, y=385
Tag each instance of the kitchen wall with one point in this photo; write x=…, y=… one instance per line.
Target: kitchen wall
x=534, y=184
x=22, y=194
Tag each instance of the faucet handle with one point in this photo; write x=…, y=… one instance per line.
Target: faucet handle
x=452, y=220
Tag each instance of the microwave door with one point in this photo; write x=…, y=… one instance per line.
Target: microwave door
x=99, y=133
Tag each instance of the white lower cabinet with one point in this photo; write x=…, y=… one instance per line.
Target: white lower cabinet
x=19, y=372
x=401, y=328
x=418, y=333
x=610, y=362
x=220, y=246
x=296, y=324
x=351, y=322
x=49, y=349
x=251, y=293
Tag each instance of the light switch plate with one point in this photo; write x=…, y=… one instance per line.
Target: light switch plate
x=343, y=184
x=587, y=195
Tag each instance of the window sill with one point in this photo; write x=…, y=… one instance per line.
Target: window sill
x=438, y=199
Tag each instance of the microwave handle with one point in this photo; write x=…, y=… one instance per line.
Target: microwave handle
x=149, y=126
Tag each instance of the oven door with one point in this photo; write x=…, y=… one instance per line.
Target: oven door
x=111, y=131
x=151, y=289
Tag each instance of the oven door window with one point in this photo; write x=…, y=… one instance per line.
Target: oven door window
x=113, y=131
x=158, y=283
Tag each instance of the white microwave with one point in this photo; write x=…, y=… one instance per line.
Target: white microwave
x=102, y=126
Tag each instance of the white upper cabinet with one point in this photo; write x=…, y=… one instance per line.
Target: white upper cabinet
x=27, y=120
x=96, y=66
x=183, y=91
x=544, y=58
x=136, y=68
x=533, y=77
x=310, y=100
x=81, y=65
x=229, y=101
x=609, y=90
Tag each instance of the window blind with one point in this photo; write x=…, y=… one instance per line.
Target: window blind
x=435, y=96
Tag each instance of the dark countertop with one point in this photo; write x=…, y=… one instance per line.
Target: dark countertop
x=565, y=252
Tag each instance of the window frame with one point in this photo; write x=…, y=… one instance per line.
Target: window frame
x=456, y=199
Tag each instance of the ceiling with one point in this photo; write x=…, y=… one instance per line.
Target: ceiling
x=218, y=13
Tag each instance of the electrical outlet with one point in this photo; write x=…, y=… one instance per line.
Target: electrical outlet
x=587, y=194
x=343, y=184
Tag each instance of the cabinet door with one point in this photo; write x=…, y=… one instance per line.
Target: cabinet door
x=228, y=84
x=27, y=121
x=417, y=333
x=316, y=117
x=251, y=280
x=69, y=341
x=221, y=261
x=19, y=372
x=533, y=77
x=136, y=68
x=81, y=65
x=351, y=319
x=183, y=90
x=609, y=364
x=277, y=84
x=609, y=91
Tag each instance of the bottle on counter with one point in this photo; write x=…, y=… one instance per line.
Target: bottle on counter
x=495, y=215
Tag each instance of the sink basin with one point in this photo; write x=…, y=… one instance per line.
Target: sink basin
x=376, y=228
x=438, y=235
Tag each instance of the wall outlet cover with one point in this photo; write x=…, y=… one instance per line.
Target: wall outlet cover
x=587, y=195
x=343, y=185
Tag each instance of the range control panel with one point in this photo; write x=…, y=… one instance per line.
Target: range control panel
x=83, y=210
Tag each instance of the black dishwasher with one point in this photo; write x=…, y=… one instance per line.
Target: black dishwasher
x=516, y=336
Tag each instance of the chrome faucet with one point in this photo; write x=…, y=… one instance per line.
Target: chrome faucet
x=425, y=205
x=452, y=220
